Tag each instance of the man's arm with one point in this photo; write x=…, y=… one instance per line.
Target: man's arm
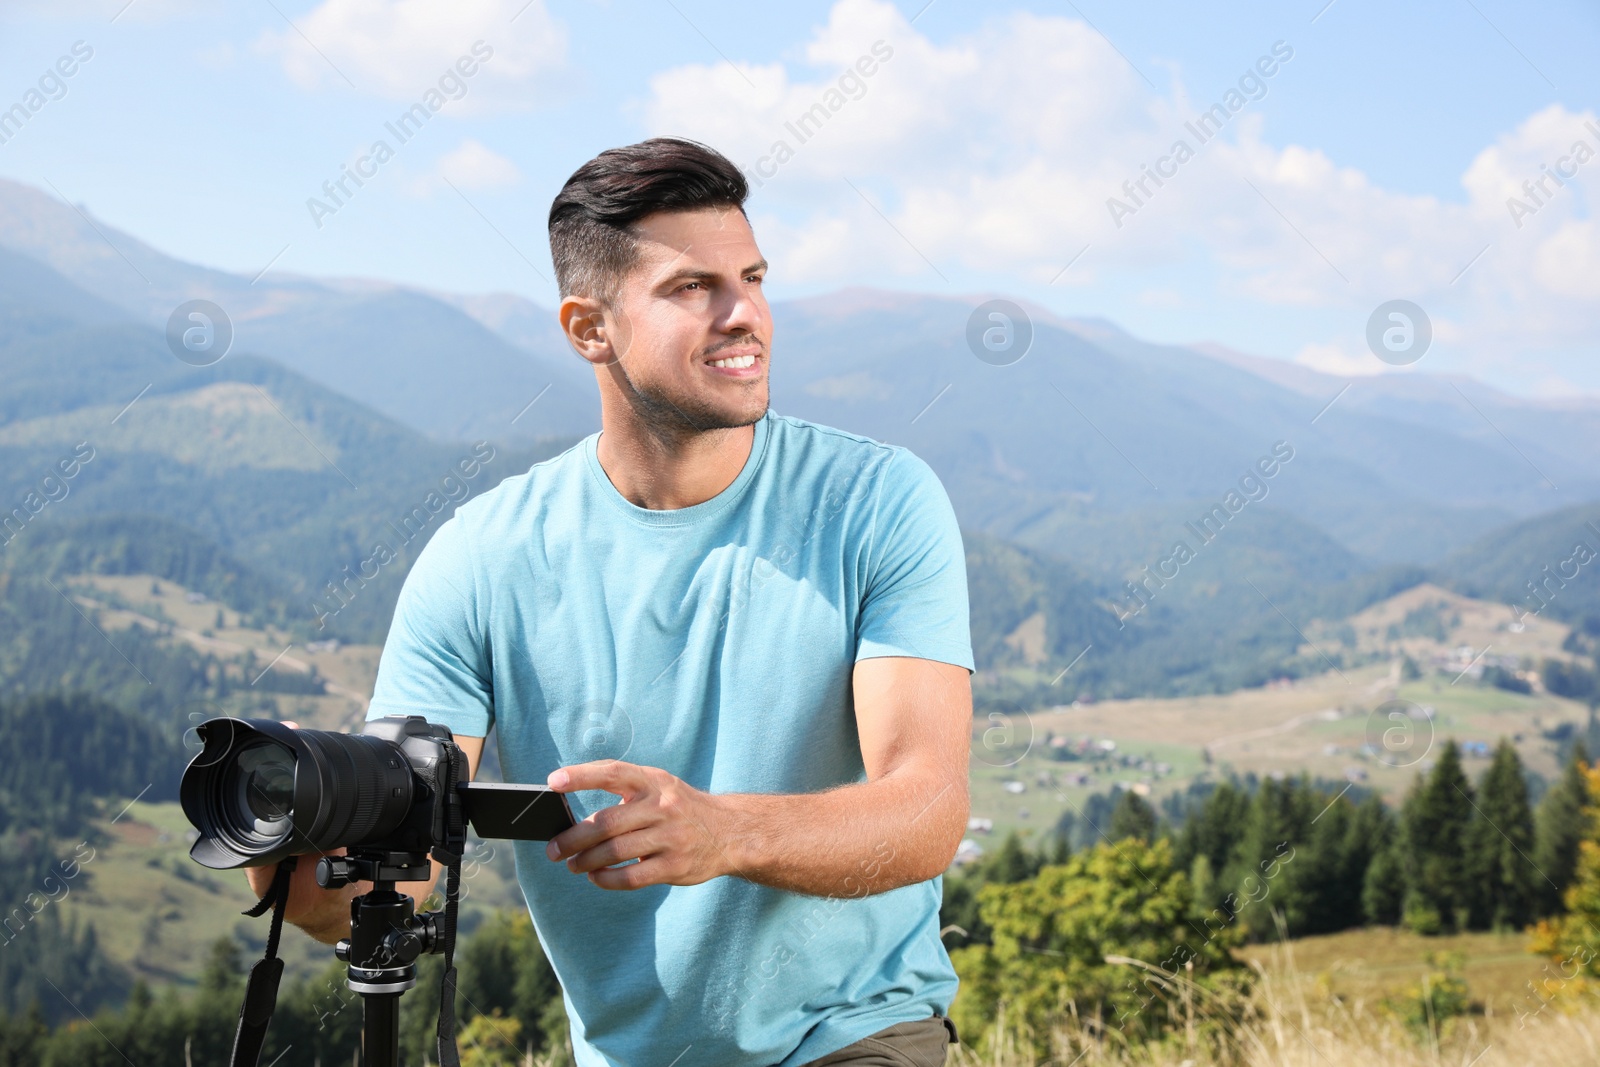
x=902, y=826
x=325, y=913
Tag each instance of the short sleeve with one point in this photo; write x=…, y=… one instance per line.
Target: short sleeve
x=915, y=599
x=435, y=662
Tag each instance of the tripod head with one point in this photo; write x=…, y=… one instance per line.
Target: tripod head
x=386, y=936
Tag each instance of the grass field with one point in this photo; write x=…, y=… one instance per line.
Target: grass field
x=1336, y=999
x=1367, y=965
x=1330, y=726
x=348, y=671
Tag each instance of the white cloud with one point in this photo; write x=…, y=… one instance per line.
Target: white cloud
x=1333, y=359
x=469, y=165
x=399, y=49
x=997, y=152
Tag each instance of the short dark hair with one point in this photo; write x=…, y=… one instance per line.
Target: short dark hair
x=591, y=220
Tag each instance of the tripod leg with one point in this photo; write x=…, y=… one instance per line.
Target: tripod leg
x=380, y=1033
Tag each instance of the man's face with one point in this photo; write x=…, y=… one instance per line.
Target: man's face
x=690, y=305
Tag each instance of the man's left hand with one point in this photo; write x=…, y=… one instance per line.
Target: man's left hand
x=674, y=830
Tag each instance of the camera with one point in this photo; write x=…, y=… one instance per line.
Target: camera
x=260, y=791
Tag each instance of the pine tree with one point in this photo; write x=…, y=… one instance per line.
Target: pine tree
x=1558, y=829
x=1269, y=870
x=1060, y=849
x=1010, y=863
x=224, y=966
x=1383, y=889
x=1434, y=829
x=1372, y=830
x=1132, y=817
x=1344, y=838
x=1500, y=848
x=1213, y=831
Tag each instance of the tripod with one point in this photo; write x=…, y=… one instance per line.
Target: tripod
x=386, y=937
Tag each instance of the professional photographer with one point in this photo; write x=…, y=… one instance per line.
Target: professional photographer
x=751, y=629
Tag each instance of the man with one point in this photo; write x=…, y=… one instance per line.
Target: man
x=750, y=628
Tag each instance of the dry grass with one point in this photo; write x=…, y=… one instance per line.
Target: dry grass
x=1290, y=1025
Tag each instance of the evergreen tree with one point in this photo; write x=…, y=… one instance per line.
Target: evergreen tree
x=1505, y=882
x=1060, y=849
x=1383, y=889
x=1132, y=817
x=224, y=966
x=1558, y=829
x=1268, y=871
x=1435, y=826
x=22, y=1038
x=504, y=970
x=1010, y=863
x=1007, y=865
x=1372, y=829
x=1213, y=831
x=1344, y=838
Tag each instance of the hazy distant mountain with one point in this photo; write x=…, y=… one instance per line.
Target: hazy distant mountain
x=404, y=353
x=1549, y=565
x=295, y=480
x=1097, y=446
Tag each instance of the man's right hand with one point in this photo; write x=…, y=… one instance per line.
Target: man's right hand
x=322, y=913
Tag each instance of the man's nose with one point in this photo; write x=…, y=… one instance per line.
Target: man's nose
x=746, y=314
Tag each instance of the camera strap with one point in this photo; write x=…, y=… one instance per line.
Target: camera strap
x=455, y=818
x=449, y=1054
x=261, y=990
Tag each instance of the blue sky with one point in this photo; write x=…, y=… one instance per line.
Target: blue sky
x=1375, y=163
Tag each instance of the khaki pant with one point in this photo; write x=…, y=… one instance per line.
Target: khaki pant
x=915, y=1044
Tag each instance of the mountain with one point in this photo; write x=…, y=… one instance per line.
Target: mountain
x=1080, y=473
x=285, y=477
x=1549, y=565
x=407, y=354
x=1097, y=446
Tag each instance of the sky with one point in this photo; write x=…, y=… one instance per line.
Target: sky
x=1357, y=153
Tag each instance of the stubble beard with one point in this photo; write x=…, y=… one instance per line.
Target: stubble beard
x=674, y=415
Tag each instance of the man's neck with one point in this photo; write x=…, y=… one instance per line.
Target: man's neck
x=668, y=473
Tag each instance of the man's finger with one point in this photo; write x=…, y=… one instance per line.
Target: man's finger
x=614, y=776
x=632, y=875
x=633, y=845
x=619, y=819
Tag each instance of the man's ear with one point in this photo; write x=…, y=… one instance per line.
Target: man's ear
x=596, y=332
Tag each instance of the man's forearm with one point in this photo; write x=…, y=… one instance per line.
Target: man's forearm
x=852, y=841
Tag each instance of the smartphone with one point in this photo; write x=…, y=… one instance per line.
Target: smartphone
x=516, y=812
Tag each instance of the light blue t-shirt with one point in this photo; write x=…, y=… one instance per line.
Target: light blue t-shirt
x=716, y=642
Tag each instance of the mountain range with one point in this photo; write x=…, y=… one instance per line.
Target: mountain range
x=343, y=404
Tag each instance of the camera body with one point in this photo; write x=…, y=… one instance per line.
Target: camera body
x=438, y=767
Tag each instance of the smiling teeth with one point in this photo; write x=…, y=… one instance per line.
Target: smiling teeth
x=734, y=362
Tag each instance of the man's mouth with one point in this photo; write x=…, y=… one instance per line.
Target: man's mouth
x=739, y=359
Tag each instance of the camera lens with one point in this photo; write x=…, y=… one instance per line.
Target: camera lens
x=260, y=791
x=261, y=782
